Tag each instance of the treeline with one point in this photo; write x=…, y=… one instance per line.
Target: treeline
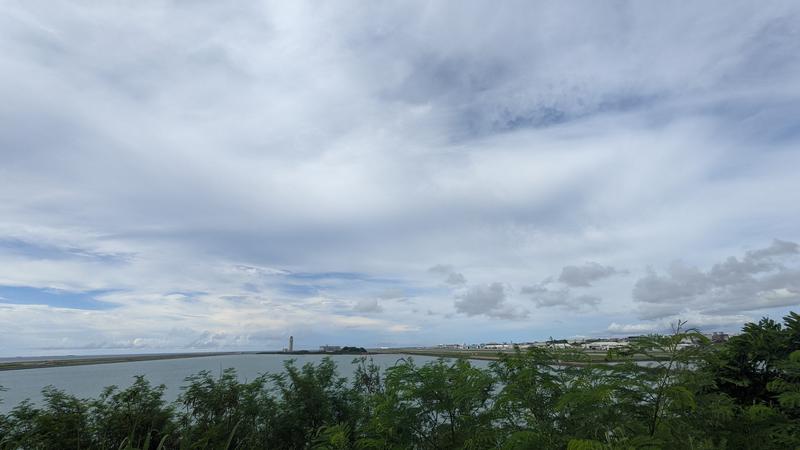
x=744, y=394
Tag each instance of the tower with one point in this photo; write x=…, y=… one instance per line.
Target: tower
x=291, y=343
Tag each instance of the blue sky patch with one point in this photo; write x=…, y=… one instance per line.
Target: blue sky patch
x=23, y=295
x=53, y=252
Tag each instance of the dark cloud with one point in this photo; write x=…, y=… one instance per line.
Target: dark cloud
x=488, y=300
x=764, y=278
x=455, y=278
x=545, y=297
x=777, y=248
x=450, y=275
x=583, y=276
x=681, y=282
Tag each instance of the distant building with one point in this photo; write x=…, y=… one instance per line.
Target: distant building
x=291, y=344
x=496, y=346
x=450, y=346
x=604, y=345
x=561, y=345
x=329, y=348
x=719, y=337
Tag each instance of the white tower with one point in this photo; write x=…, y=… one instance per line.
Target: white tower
x=291, y=343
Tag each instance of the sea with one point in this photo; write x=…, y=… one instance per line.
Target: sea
x=88, y=381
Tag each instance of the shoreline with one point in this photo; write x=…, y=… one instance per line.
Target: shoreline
x=594, y=358
x=53, y=362
x=111, y=359
x=493, y=355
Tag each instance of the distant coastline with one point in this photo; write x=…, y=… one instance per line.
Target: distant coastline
x=588, y=357
x=44, y=363
x=106, y=359
x=486, y=355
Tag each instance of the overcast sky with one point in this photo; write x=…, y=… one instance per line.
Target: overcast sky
x=221, y=175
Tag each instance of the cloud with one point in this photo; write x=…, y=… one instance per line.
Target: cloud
x=393, y=294
x=455, y=278
x=571, y=277
x=693, y=319
x=206, y=154
x=632, y=328
x=488, y=300
x=681, y=283
x=259, y=271
x=545, y=297
x=441, y=269
x=368, y=306
x=213, y=340
x=583, y=276
x=451, y=276
x=763, y=278
x=777, y=248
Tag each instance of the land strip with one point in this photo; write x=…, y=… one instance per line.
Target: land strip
x=587, y=357
x=488, y=355
x=82, y=361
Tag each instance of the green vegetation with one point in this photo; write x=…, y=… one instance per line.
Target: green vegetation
x=744, y=394
x=349, y=350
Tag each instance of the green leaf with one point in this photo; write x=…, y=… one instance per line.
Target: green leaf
x=584, y=444
x=789, y=399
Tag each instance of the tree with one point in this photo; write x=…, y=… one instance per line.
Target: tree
x=138, y=415
x=309, y=399
x=438, y=405
x=223, y=412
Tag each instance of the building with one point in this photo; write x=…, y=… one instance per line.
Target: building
x=604, y=345
x=719, y=337
x=291, y=344
x=449, y=346
x=561, y=345
x=329, y=348
x=497, y=346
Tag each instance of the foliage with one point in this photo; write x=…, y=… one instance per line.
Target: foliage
x=351, y=350
x=137, y=415
x=692, y=394
x=219, y=412
x=310, y=398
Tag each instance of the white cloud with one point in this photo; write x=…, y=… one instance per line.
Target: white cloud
x=368, y=306
x=285, y=162
x=692, y=319
x=632, y=328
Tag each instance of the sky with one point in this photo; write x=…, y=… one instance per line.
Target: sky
x=194, y=176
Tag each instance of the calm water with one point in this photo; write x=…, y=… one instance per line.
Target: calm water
x=88, y=381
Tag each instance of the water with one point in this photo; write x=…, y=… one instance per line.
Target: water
x=89, y=380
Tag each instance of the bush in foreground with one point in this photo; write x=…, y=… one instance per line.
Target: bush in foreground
x=743, y=394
